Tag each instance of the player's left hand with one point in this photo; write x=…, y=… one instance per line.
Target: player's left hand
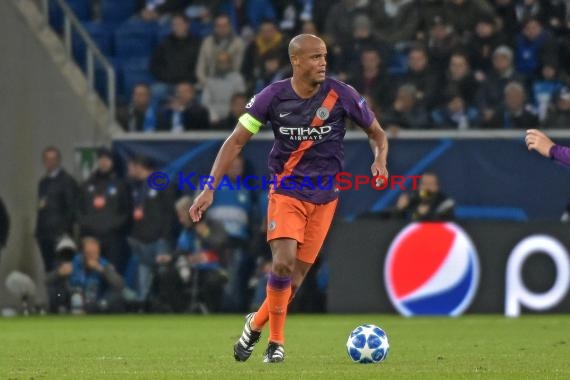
x=537, y=140
x=379, y=169
x=201, y=204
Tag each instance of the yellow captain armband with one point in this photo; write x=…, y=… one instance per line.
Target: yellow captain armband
x=250, y=123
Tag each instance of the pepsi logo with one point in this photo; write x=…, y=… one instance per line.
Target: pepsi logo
x=431, y=269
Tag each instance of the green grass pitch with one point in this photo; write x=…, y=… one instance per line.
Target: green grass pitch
x=197, y=347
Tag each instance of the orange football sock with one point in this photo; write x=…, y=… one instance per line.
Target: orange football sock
x=262, y=315
x=278, y=294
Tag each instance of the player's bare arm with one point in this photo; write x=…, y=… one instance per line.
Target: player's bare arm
x=537, y=140
x=228, y=152
x=379, y=146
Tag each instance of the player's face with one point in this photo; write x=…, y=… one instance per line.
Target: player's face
x=311, y=62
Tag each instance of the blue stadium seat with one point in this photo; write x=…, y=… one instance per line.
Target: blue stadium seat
x=117, y=11
x=101, y=84
x=398, y=63
x=81, y=8
x=135, y=39
x=101, y=36
x=133, y=72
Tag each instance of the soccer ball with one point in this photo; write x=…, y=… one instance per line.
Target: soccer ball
x=368, y=344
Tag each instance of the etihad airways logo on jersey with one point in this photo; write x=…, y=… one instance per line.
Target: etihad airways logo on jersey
x=305, y=133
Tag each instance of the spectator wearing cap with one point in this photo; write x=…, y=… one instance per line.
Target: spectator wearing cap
x=442, y=42
x=174, y=60
x=105, y=209
x=486, y=37
x=492, y=88
x=394, y=20
x=183, y=112
x=363, y=39
x=515, y=113
x=57, y=200
x=153, y=224
x=141, y=115
x=559, y=116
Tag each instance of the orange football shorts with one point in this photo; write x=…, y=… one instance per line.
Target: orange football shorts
x=306, y=222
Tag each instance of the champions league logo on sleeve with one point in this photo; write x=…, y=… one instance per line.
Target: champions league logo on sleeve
x=432, y=269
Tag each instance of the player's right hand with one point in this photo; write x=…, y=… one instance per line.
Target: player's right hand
x=201, y=204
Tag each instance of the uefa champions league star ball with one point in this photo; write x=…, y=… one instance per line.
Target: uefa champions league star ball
x=368, y=344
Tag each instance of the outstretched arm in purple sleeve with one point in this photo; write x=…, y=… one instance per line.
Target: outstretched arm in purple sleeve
x=537, y=140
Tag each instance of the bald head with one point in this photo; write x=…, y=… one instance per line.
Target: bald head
x=308, y=56
x=299, y=43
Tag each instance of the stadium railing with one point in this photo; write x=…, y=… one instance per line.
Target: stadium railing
x=72, y=28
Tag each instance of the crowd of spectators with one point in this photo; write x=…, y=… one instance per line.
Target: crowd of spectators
x=421, y=64
x=114, y=244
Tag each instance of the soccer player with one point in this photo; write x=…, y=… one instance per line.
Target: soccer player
x=306, y=113
x=537, y=140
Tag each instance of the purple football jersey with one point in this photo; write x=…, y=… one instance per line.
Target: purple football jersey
x=309, y=133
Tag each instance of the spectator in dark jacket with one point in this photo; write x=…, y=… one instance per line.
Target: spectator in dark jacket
x=422, y=76
x=486, y=38
x=4, y=225
x=371, y=78
x=237, y=108
x=459, y=78
x=141, y=115
x=184, y=112
x=268, y=41
x=395, y=20
x=57, y=200
x=405, y=112
x=153, y=228
x=491, y=90
x=559, y=116
x=174, y=60
x=428, y=203
x=87, y=283
x=195, y=269
x=516, y=112
x=105, y=210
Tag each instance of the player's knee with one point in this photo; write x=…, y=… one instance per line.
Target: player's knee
x=283, y=268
